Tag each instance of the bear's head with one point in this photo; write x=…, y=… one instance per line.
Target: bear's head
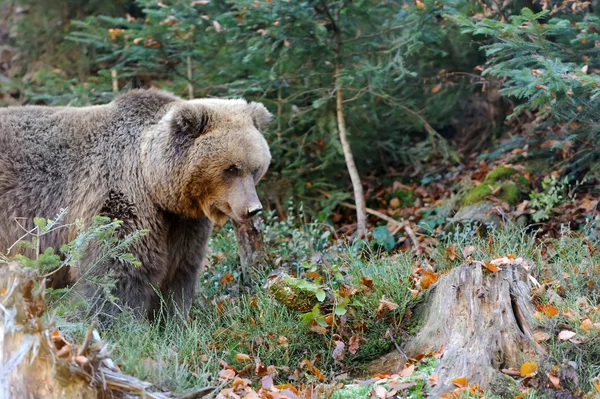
x=206, y=157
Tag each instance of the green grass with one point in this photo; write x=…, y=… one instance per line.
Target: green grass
x=226, y=322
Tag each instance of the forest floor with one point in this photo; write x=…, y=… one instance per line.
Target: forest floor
x=245, y=343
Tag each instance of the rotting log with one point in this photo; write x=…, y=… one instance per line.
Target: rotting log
x=481, y=321
x=37, y=362
x=253, y=255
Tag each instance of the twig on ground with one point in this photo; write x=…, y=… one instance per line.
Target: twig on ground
x=399, y=225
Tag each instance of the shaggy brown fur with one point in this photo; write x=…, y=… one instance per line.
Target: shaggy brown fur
x=148, y=158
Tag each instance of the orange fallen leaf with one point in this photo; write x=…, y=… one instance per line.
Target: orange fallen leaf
x=242, y=357
x=461, y=382
x=596, y=382
x=450, y=252
x=528, y=369
x=427, y=279
x=549, y=310
x=436, y=88
x=587, y=324
x=228, y=278
x=491, y=267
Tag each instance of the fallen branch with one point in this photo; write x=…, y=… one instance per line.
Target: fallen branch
x=399, y=225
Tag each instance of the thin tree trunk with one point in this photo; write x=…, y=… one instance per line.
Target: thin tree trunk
x=115, y=80
x=253, y=256
x=359, y=197
x=190, y=77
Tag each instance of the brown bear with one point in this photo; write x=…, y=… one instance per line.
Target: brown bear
x=148, y=158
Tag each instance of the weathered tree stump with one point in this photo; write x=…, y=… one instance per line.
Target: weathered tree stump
x=253, y=255
x=481, y=321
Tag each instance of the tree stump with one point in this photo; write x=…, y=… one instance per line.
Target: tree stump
x=481, y=321
x=253, y=255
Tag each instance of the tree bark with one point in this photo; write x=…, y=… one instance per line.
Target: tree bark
x=253, y=255
x=482, y=320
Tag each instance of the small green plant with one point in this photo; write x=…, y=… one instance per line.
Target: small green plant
x=109, y=245
x=384, y=238
x=551, y=196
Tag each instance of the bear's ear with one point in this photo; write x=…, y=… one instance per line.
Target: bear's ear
x=190, y=121
x=260, y=115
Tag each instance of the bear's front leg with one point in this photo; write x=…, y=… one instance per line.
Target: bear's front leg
x=187, y=244
x=112, y=285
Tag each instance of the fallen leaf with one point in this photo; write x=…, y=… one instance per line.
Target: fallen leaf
x=227, y=374
x=381, y=392
x=569, y=314
x=541, y=336
x=385, y=305
x=353, y=344
x=318, y=329
x=283, y=341
x=549, y=310
x=596, y=382
x=511, y=371
x=528, y=369
x=228, y=278
x=461, y=382
x=367, y=282
x=587, y=324
x=267, y=382
x=436, y=88
x=241, y=357
x=566, y=334
x=427, y=279
x=395, y=203
x=450, y=252
x=554, y=380
x=338, y=352
x=491, y=267
x=408, y=371
x=468, y=250
x=433, y=379
x=399, y=385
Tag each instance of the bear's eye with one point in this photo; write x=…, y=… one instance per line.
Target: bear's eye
x=232, y=170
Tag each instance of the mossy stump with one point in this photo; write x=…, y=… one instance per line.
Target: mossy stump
x=505, y=183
